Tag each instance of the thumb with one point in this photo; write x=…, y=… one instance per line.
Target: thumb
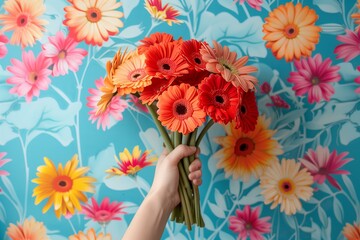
x=180, y=152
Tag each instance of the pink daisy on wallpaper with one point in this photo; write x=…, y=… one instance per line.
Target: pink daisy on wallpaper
x=350, y=47
x=249, y=224
x=113, y=112
x=104, y=212
x=3, y=41
x=63, y=54
x=29, y=75
x=314, y=76
x=322, y=164
x=253, y=3
x=3, y=161
x=277, y=101
x=357, y=80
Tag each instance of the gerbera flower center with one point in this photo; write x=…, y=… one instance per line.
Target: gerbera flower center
x=248, y=226
x=243, y=109
x=136, y=75
x=93, y=15
x=291, y=31
x=166, y=65
x=103, y=216
x=286, y=186
x=22, y=20
x=62, y=54
x=62, y=183
x=133, y=169
x=182, y=109
x=197, y=60
x=244, y=146
x=219, y=99
x=315, y=81
x=33, y=77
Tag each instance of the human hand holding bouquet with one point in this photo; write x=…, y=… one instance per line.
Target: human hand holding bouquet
x=184, y=84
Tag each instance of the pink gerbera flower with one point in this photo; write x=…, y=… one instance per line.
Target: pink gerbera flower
x=322, y=164
x=113, y=111
x=253, y=3
x=29, y=76
x=3, y=41
x=248, y=224
x=314, y=76
x=357, y=80
x=104, y=212
x=63, y=54
x=3, y=161
x=351, y=47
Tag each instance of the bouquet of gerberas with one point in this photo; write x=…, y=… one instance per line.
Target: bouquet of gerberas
x=184, y=84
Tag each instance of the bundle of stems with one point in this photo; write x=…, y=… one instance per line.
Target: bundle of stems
x=188, y=211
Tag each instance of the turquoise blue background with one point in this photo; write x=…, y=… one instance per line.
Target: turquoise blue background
x=334, y=124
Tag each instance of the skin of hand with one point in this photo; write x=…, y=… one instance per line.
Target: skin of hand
x=150, y=220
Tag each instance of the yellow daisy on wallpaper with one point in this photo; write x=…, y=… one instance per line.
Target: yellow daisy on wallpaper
x=63, y=186
x=285, y=184
x=89, y=235
x=290, y=31
x=131, y=163
x=245, y=154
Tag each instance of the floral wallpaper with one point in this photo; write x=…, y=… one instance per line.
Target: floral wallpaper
x=71, y=171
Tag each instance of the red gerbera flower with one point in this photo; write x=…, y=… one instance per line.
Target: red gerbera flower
x=151, y=93
x=191, y=51
x=247, y=112
x=154, y=39
x=179, y=109
x=194, y=78
x=165, y=61
x=218, y=98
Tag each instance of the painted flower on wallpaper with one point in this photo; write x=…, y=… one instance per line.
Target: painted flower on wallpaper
x=90, y=235
x=314, y=77
x=64, y=187
x=247, y=154
x=104, y=212
x=290, y=31
x=218, y=98
x=113, y=111
x=3, y=49
x=178, y=109
x=131, y=163
x=29, y=230
x=29, y=75
x=247, y=223
x=352, y=231
x=3, y=161
x=23, y=19
x=252, y=3
x=277, y=101
x=63, y=54
x=356, y=16
x=350, y=48
x=164, y=13
x=191, y=52
x=285, y=184
x=323, y=165
x=93, y=21
x=265, y=88
x=357, y=80
x=247, y=112
x=221, y=60
x=166, y=61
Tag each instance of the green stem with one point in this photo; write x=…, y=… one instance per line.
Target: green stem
x=204, y=131
x=185, y=205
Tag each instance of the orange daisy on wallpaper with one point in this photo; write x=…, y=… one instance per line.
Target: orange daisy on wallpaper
x=166, y=61
x=222, y=60
x=23, y=20
x=131, y=163
x=178, y=109
x=29, y=230
x=154, y=39
x=290, y=31
x=247, y=154
x=131, y=77
x=163, y=13
x=151, y=93
x=63, y=186
x=356, y=16
x=93, y=21
x=285, y=184
x=90, y=235
x=352, y=231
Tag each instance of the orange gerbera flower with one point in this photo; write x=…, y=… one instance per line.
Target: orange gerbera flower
x=193, y=78
x=356, y=16
x=163, y=13
x=151, y=93
x=246, y=154
x=352, y=232
x=131, y=77
x=166, y=61
x=93, y=21
x=222, y=60
x=179, y=109
x=191, y=51
x=154, y=39
x=290, y=31
x=23, y=19
x=29, y=230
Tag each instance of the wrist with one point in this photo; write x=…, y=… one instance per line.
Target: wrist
x=162, y=199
